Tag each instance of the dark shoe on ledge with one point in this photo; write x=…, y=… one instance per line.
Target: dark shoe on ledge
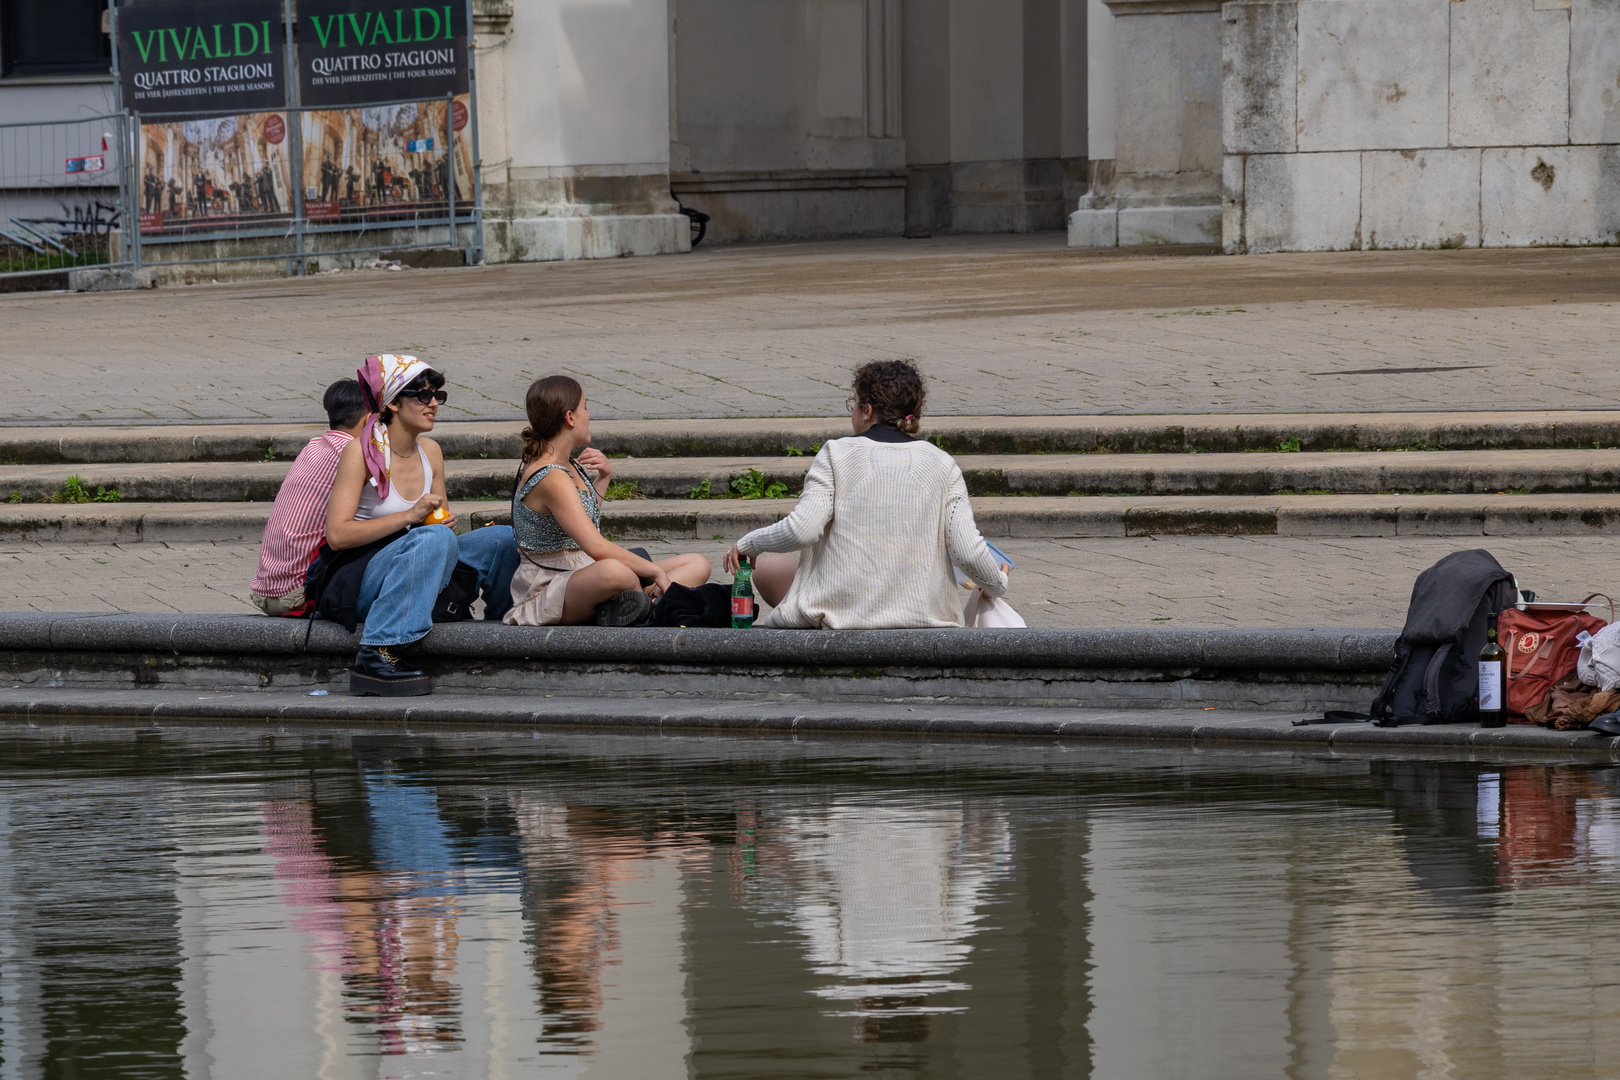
x=630, y=608
x=380, y=670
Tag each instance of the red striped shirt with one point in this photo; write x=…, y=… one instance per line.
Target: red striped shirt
x=298, y=522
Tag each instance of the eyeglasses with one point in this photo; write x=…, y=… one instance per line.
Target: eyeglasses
x=426, y=395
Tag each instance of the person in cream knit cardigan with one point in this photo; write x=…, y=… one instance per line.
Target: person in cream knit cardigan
x=882, y=517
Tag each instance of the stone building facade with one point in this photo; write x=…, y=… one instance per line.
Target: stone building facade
x=1259, y=125
x=780, y=119
x=1327, y=125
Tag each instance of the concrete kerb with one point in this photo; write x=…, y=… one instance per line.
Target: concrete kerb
x=281, y=710
x=772, y=437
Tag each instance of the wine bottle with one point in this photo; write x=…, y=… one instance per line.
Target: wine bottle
x=1491, y=685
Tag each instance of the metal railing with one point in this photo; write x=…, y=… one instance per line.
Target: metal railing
x=64, y=203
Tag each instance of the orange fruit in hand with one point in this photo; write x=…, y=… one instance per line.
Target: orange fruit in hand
x=437, y=517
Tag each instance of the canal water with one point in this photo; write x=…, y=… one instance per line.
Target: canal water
x=234, y=904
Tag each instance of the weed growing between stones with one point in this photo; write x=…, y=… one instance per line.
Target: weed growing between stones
x=16, y=496
x=74, y=490
x=753, y=485
x=700, y=492
x=623, y=489
x=1287, y=446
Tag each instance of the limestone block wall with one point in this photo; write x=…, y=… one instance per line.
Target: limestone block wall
x=1361, y=124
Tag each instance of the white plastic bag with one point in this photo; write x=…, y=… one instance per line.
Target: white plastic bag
x=1599, y=663
x=981, y=611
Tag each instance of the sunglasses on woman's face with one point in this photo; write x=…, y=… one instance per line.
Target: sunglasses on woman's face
x=426, y=396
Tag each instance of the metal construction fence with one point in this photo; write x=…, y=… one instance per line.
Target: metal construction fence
x=300, y=186
x=304, y=185
x=63, y=201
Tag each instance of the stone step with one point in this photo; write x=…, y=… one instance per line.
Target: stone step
x=1222, y=433
x=1364, y=473
x=461, y=707
x=998, y=518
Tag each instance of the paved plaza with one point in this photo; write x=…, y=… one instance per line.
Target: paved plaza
x=1174, y=581
x=1003, y=325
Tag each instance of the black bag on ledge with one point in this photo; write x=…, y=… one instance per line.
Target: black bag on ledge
x=706, y=605
x=1434, y=679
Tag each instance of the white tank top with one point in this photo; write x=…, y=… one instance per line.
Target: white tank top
x=373, y=507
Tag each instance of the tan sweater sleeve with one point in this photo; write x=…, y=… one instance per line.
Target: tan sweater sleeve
x=809, y=519
x=965, y=544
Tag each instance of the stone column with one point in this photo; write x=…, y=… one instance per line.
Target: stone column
x=574, y=119
x=1165, y=183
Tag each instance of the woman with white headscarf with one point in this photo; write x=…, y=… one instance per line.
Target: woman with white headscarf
x=389, y=527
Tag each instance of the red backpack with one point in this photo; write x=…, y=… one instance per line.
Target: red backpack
x=1541, y=648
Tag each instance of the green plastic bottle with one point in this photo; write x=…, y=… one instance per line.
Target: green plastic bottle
x=742, y=596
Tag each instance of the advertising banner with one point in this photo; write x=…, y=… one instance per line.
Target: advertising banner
x=354, y=52
x=218, y=174
x=385, y=162
x=197, y=56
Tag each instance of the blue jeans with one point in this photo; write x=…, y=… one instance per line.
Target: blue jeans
x=402, y=582
x=493, y=552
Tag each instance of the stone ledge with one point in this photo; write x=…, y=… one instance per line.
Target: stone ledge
x=1254, y=670
x=786, y=180
x=1161, y=7
x=1180, y=727
x=1304, y=648
x=110, y=280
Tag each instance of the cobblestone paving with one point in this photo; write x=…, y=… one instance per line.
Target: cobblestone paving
x=1169, y=581
x=1004, y=325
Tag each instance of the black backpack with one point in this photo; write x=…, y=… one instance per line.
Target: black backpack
x=1434, y=679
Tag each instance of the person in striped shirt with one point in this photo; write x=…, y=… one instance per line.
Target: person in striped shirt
x=298, y=521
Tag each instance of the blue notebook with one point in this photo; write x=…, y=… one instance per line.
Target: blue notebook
x=1001, y=556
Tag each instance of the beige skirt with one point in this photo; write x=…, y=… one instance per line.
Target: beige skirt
x=540, y=584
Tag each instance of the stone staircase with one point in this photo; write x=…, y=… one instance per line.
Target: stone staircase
x=1437, y=474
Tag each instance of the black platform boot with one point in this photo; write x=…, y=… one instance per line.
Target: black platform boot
x=380, y=670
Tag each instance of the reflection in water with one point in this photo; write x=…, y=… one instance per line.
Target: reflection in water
x=216, y=905
x=885, y=896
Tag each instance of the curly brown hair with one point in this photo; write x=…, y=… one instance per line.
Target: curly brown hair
x=895, y=391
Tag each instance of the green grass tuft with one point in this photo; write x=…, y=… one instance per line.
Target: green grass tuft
x=74, y=490
x=754, y=484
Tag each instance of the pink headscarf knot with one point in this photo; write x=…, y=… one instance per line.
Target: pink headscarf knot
x=381, y=380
